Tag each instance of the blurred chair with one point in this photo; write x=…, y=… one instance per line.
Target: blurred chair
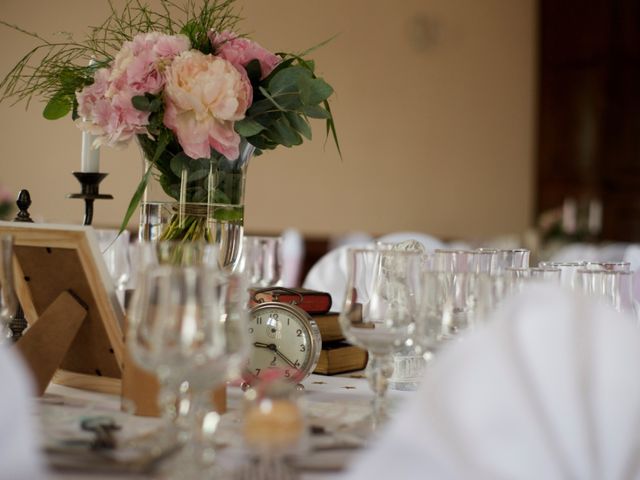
x=589, y=252
x=329, y=274
x=20, y=454
x=292, y=257
x=430, y=243
x=351, y=238
x=548, y=389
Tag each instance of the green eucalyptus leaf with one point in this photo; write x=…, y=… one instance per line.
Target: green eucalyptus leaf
x=155, y=105
x=315, y=111
x=248, y=127
x=178, y=163
x=57, y=107
x=284, y=64
x=299, y=123
x=315, y=91
x=273, y=101
x=289, y=136
x=141, y=102
x=289, y=79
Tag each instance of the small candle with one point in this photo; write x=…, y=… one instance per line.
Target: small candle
x=90, y=159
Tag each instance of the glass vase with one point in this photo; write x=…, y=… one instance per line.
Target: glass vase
x=189, y=200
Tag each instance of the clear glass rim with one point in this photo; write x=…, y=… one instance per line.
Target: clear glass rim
x=546, y=263
x=602, y=271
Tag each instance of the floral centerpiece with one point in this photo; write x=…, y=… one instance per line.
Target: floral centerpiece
x=197, y=96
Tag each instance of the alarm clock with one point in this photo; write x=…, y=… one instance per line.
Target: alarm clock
x=282, y=336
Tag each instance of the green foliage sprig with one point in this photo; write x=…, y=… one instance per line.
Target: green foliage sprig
x=55, y=69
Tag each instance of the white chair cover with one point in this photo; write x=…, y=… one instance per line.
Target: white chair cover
x=548, y=390
x=329, y=274
x=292, y=257
x=20, y=457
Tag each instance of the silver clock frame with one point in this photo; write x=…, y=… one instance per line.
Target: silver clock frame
x=311, y=328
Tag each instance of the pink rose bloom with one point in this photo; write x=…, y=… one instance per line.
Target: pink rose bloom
x=204, y=96
x=240, y=51
x=138, y=68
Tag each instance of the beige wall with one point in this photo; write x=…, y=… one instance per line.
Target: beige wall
x=434, y=106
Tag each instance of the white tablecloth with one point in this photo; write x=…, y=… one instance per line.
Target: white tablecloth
x=329, y=400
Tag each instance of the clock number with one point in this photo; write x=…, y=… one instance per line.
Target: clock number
x=259, y=320
x=250, y=329
x=303, y=348
x=297, y=363
x=274, y=316
x=273, y=362
x=299, y=332
x=287, y=373
x=257, y=371
x=288, y=321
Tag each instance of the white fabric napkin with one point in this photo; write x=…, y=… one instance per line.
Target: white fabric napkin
x=548, y=390
x=20, y=457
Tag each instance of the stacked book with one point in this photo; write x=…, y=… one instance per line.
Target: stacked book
x=337, y=355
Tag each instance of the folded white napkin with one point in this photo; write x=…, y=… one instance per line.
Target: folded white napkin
x=548, y=390
x=20, y=457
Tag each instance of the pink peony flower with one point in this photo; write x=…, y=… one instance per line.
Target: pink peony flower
x=240, y=51
x=111, y=117
x=204, y=96
x=138, y=68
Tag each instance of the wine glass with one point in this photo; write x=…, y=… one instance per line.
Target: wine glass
x=8, y=299
x=187, y=325
x=379, y=312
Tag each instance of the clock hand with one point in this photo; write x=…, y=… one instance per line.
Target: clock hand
x=274, y=349
x=285, y=358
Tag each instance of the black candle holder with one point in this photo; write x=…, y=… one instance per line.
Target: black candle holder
x=90, y=191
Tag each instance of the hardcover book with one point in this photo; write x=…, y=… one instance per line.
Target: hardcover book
x=340, y=357
x=313, y=302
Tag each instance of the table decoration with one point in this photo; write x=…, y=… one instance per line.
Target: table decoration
x=199, y=98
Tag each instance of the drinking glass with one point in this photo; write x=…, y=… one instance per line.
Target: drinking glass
x=613, y=266
x=568, y=271
x=187, y=325
x=8, y=299
x=510, y=258
x=262, y=260
x=379, y=313
x=614, y=287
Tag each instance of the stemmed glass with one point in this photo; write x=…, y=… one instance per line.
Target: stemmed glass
x=379, y=313
x=8, y=299
x=187, y=325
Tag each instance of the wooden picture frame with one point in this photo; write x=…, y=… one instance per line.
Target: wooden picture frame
x=75, y=320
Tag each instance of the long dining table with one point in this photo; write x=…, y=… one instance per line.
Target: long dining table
x=332, y=403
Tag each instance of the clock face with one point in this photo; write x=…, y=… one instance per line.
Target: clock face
x=279, y=340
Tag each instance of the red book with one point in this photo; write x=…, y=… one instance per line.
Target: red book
x=312, y=301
